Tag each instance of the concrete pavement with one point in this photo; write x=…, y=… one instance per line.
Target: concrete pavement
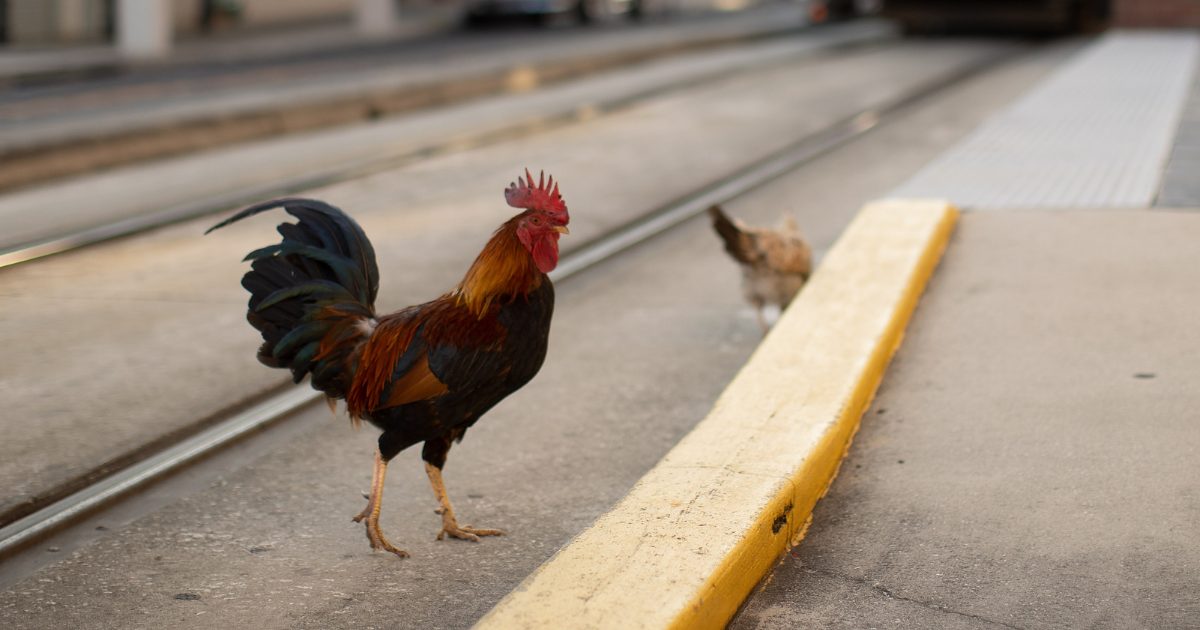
x=270, y=545
x=171, y=333
x=1032, y=459
x=1029, y=461
x=594, y=448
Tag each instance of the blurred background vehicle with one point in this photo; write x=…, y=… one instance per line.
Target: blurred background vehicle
x=976, y=16
x=1021, y=16
x=41, y=23
x=822, y=11
x=542, y=11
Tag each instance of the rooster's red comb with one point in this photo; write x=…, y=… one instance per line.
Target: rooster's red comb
x=544, y=197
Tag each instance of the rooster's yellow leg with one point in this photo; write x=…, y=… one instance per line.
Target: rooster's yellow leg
x=449, y=523
x=374, y=502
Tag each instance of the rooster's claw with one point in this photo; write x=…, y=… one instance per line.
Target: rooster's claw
x=466, y=532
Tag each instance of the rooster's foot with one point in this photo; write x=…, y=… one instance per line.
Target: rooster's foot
x=465, y=532
x=371, y=513
x=375, y=535
x=378, y=542
x=449, y=523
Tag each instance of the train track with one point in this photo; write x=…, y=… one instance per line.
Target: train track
x=361, y=167
x=19, y=534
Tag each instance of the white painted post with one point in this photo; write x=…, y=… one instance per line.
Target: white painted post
x=376, y=17
x=144, y=28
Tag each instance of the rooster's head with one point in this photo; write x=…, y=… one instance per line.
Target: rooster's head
x=544, y=220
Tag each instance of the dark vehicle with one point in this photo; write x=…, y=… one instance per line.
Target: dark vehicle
x=479, y=11
x=1023, y=16
x=821, y=11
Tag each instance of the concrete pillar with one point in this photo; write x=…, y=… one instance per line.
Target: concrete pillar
x=144, y=28
x=376, y=17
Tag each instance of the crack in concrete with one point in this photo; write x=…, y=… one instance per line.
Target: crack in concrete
x=875, y=586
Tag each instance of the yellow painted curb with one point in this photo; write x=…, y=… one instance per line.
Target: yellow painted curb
x=688, y=543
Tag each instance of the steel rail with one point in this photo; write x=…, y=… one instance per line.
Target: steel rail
x=361, y=167
x=40, y=524
x=32, y=527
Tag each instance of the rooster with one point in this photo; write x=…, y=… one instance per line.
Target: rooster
x=425, y=373
x=775, y=262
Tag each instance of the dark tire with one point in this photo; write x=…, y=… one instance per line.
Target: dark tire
x=592, y=11
x=646, y=9
x=473, y=20
x=638, y=10
x=841, y=10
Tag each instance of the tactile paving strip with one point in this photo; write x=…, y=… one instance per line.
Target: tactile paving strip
x=1097, y=133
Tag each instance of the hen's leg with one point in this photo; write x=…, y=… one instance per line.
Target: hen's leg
x=434, y=454
x=449, y=523
x=374, y=502
x=762, y=321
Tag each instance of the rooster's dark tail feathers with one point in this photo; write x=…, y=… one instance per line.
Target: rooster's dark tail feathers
x=312, y=296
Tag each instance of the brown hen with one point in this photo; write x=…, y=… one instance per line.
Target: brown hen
x=775, y=261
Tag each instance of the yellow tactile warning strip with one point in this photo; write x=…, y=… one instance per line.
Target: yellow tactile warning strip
x=701, y=529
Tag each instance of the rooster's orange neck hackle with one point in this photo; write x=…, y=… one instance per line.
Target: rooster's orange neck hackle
x=511, y=265
x=523, y=249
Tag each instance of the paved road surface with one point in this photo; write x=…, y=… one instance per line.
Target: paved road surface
x=227, y=176
x=39, y=115
x=640, y=348
x=148, y=333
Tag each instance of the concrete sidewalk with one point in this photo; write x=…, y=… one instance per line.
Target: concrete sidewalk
x=1031, y=458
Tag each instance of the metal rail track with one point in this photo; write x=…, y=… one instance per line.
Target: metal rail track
x=357, y=168
x=36, y=526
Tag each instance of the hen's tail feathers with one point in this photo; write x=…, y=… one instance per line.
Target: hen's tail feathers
x=312, y=295
x=738, y=243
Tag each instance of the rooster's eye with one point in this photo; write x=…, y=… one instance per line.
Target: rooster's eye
x=537, y=221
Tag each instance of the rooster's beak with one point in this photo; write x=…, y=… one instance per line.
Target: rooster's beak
x=561, y=229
